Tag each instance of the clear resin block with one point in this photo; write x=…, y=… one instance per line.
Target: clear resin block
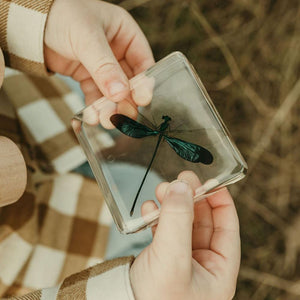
x=175, y=127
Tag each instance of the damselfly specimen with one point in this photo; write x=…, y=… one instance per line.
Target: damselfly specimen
x=186, y=150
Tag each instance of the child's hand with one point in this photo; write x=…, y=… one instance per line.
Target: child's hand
x=98, y=44
x=195, y=253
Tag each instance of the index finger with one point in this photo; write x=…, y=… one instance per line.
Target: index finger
x=225, y=239
x=139, y=55
x=129, y=42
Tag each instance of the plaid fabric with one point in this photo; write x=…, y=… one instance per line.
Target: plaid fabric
x=61, y=224
x=44, y=107
x=22, y=25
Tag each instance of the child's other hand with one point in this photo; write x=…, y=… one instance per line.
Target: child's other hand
x=195, y=253
x=98, y=44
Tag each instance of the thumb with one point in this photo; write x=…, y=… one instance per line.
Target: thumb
x=173, y=237
x=104, y=68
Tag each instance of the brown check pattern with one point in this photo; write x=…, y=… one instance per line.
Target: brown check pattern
x=60, y=225
x=44, y=108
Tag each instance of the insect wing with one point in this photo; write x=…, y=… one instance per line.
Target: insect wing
x=131, y=127
x=189, y=151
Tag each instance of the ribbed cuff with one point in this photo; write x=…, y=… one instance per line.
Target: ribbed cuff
x=22, y=27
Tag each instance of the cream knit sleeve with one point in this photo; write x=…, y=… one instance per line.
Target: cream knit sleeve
x=22, y=26
x=106, y=281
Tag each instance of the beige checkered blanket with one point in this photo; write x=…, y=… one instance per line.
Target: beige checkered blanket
x=60, y=225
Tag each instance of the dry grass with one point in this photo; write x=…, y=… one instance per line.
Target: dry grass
x=248, y=56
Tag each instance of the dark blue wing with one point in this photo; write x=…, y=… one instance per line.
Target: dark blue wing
x=131, y=127
x=189, y=151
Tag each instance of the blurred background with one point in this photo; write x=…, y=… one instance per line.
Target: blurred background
x=247, y=54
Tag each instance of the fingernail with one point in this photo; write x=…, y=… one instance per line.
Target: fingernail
x=178, y=187
x=116, y=87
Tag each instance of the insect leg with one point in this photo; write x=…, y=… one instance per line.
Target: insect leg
x=142, y=183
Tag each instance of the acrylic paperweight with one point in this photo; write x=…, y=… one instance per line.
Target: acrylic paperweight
x=166, y=125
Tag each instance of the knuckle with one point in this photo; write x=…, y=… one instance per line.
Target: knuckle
x=177, y=208
x=200, y=225
x=87, y=85
x=105, y=64
x=224, y=230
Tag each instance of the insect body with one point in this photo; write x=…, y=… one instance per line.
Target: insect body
x=186, y=150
